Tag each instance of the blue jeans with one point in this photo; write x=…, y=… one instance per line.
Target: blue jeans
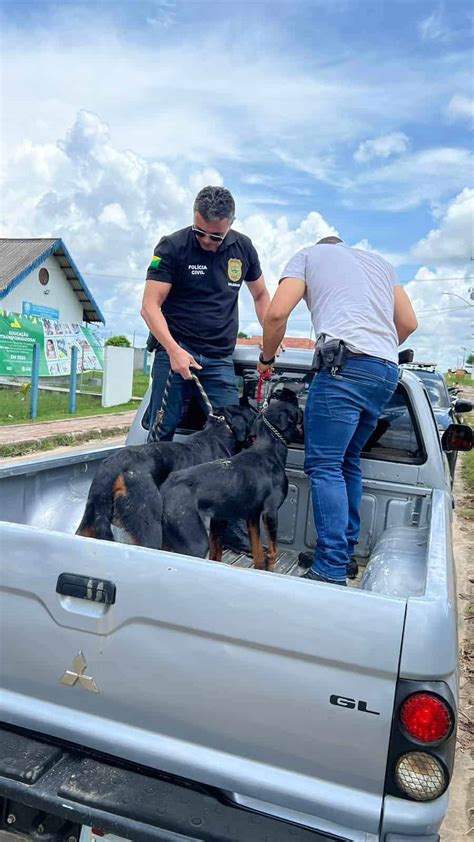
x=341, y=414
x=217, y=376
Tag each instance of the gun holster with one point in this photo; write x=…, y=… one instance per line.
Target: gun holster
x=330, y=354
x=151, y=343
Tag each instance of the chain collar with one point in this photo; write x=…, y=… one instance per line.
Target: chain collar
x=220, y=419
x=273, y=429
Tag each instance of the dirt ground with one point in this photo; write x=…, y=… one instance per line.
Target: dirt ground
x=459, y=822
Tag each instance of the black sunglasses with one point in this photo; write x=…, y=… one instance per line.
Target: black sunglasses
x=216, y=238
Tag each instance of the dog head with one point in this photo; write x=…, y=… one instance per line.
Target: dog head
x=286, y=393
x=241, y=420
x=284, y=414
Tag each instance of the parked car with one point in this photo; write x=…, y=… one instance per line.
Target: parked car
x=157, y=696
x=447, y=407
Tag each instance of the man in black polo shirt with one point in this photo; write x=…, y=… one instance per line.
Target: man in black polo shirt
x=190, y=305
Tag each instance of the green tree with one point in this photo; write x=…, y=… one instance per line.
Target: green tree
x=242, y=335
x=470, y=359
x=119, y=341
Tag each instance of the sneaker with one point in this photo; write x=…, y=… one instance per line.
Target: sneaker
x=306, y=559
x=352, y=569
x=315, y=577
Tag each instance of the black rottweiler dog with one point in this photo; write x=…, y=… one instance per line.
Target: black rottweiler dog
x=125, y=489
x=249, y=485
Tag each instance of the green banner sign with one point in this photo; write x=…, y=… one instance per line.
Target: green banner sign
x=18, y=333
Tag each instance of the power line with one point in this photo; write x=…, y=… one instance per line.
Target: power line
x=294, y=319
x=446, y=310
x=142, y=278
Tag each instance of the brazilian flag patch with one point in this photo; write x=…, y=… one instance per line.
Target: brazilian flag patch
x=155, y=262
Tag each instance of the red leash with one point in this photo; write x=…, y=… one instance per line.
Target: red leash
x=261, y=380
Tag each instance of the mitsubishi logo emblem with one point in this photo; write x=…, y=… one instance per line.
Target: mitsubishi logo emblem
x=76, y=675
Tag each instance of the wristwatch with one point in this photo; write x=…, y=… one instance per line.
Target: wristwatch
x=266, y=362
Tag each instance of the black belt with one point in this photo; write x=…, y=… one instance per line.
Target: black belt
x=361, y=356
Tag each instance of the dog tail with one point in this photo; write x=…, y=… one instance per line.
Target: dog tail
x=138, y=508
x=98, y=514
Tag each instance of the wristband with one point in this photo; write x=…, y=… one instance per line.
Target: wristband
x=266, y=362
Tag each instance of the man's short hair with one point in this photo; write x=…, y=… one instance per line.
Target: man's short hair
x=215, y=203
x=330, y=239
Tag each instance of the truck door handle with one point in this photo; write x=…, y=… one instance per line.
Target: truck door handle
x=83, y=587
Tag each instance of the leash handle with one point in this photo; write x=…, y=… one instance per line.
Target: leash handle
x=204, y=396
x=261, y=399
x=156, y=429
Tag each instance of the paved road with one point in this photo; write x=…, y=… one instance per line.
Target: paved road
x=18, y=433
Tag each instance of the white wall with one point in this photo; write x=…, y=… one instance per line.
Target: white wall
x=138, y=359
x=118, y=375
x=61, y=295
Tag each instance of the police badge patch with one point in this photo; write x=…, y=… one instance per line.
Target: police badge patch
x=234, y=269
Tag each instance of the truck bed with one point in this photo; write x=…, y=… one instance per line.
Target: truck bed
x=220, y=674
x=286, y=564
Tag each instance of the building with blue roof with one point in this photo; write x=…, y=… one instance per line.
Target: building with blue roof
x=38, y=277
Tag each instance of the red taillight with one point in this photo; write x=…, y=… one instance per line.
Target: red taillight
x=426, y=718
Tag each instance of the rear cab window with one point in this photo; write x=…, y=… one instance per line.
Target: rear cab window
x=395, y=439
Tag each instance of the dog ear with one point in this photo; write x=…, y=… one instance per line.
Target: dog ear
x=240, y=428
x=289, y=417
x=284, y=420
x=286, y=394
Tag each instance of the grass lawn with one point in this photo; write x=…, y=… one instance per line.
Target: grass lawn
x=91, y=381
x=468, y=470
x=452, y=380
x=140, y=384
x=15, y=403
x=468, y=477
x=468, y=462
x=15, y=407
x=88, y=382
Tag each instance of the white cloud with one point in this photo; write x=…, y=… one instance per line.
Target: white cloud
x=461, y=107
x=111, y=206
x=382, y=147
x=425, y=176
x=444, y=320
x=395, y=258
x=163, y=15
x=434, y=27
x=164, y=99
x=452, y=241
x=114, y=214
x=440, y=290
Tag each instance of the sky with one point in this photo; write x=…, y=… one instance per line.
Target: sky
x=354, y=116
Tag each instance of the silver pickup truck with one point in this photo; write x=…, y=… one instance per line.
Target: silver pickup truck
x=160, y=697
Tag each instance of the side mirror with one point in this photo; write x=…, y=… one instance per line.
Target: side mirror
x=457, y=437
x=405, y=356
x=461, y=406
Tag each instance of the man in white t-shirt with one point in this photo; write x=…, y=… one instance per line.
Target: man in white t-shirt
x=360, y=312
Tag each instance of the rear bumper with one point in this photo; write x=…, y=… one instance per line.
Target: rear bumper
x=137, y=804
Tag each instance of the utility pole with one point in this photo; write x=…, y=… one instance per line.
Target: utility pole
x=471, y=296
x=469, y=303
